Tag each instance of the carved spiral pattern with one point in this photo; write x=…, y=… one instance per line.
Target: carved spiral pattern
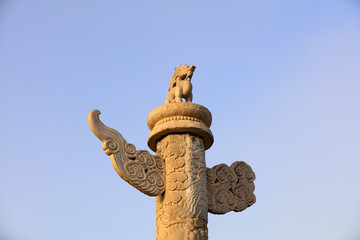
x=110, y=147
x=154, y=178
x=146, y=158
x=230, y=188
x=243, y=171
x=159, y=163
x=135, y=169
x=130, y=148
x=224, y=174
x=210, y=176
x=225, y=197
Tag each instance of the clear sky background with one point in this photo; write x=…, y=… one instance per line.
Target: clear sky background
x=281, y=78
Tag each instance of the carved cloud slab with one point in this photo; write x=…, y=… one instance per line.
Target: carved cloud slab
x=139, y=168
x=230, y=188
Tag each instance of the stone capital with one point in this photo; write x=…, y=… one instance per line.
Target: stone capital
x=180, y=117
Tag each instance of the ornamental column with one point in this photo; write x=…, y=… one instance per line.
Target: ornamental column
x=185, y=189
x=180, y=135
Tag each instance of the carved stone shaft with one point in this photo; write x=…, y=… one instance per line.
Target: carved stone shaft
x=181, y=211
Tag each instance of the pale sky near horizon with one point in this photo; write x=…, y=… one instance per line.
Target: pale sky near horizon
x=281, y=78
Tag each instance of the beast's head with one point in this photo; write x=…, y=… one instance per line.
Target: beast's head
x=185, y=72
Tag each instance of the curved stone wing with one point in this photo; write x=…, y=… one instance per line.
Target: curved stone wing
x=230, y=188
x=139, y=168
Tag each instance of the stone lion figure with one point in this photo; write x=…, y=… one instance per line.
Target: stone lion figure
x=180, y=84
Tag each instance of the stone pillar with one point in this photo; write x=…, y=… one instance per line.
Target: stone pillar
x=180, y=135
x=181, y=211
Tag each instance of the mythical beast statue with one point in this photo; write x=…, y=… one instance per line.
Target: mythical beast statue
x=180, y=84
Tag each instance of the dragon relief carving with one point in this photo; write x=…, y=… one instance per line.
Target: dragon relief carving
x=139, y=168
x=180, y=84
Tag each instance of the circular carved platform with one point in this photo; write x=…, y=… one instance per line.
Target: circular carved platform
x=181, y=117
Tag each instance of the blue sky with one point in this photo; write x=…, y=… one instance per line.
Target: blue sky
x=281, y=78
